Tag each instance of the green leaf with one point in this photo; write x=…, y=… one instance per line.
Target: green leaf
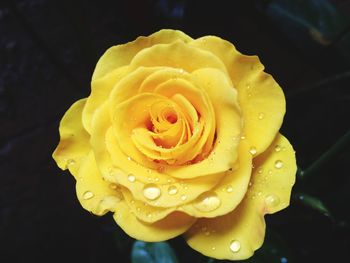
x=312, y=202
x=159, y=252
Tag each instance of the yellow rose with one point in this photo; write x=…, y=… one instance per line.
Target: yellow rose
x=181, y=136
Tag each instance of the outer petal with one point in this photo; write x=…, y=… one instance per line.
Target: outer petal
x=100, y=90
x=177, y=55
x=261, y=99
x=121, y=55
x=74, y=140
x=94, y=194
x=171, y=226
x=246, y=225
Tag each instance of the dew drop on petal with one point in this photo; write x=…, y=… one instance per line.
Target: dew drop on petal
x=278, y=164
x=278, y=148
x=229, y=189
x=129, y=158
x=113, y=186
x=172, y=190
x=213, y=248
x=272, y=200
x=252, y=150
x=70, y=162
x=207, y=202
x=235, y=246
x=183, y=197
x=151, y=192
x=88, y=195
x=131, y=178
x=261, y=116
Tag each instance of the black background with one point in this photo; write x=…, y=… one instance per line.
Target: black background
x=48, y=50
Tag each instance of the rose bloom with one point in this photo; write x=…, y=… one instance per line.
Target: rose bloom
x=180, y=136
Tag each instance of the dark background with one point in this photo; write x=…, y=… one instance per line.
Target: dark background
x=48, y=50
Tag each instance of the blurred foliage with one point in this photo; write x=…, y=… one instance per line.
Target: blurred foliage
x=159, y=252
x=308, y=22
x=312, y=202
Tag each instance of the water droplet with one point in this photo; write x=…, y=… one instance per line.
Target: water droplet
x=169, y=181
x=248, y=86
x=156, y=179
x=260, y=171
x=250, y=184
x=70, y=162
x=113, y=186
x=270, y=172
x=235, y=246
x=172, y=190
x=272, y=200
x=242, y=137
x=259, y=193
x=151, y=191
x=229, y=189
x=278, y=164
x=207, y=202
x=278, y=148
x=252, y=150
x=149, y=215
x=213, y=248
x=181, y=71
x=131, y=178
x=129, y=158
x=132, y=202
x=261, y=116
x=88, y=195
x=138, y=209
x=183, y=197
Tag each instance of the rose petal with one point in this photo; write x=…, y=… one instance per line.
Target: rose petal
x=100, y=90
x=94, y=194
x=261, y=99
x=246, y=225
x=144, y=211
x=176, y=55
x=121, y=55
x=74, y=140
x=171, y=226
x=227, y=194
